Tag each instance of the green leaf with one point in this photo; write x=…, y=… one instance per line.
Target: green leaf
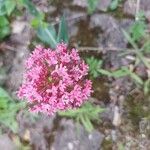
x=147, y=87
x=92, y=4
x=114, y=4
x=3, y=93
x=146, y=47
x=120, y=73
x=3, y=21
x=4, y=27
x=4, y=31
x=47, y=34
x=8, y=110
x=86, y=122
x=63, y=31
x=94, y=66
x=85, y=114
x=32, y=9
x=136, y=78
x=70, y=113
x=137, y=51
x=138, y=30
x=10, y=6
x=10, y=123
x=36, y=22
x=129, y=39
x=2, y=8
x=105, y=72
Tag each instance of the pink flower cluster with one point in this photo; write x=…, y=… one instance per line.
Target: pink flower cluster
x=55, y=80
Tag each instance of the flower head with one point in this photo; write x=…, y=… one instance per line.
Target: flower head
x=55, y=80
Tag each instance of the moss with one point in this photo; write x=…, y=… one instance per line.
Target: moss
x=107, y=144
x=137, y=107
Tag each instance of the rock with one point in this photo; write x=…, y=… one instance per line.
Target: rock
x=16, y=74
x=114, y=135
x=73, y=30
x=38, y=140
x=107, y=115
x=112, y=36
x=21, y=35
x=114, y=39
x=104, y=21
x=81, y=3
x=21, y=38
x=6, y=143
x=103, y=5
x=18, y=27
x=72, y=18
x=117, y=117
x=130, y=7
x=73, y=138
x=36, y=131
x=144, y=126
x=141, y=71
x=44, y=6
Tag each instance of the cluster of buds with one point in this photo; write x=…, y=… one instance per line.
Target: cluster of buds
x=55, y=80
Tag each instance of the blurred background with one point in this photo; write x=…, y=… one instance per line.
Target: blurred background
x=113, y=37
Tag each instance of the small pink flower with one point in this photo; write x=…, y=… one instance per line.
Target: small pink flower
x=55, y=80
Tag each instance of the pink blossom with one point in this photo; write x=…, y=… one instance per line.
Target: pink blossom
x=55, y=80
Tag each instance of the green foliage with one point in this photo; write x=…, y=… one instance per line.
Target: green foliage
x=8, y=110
x=137, y=37
x=63, y=31
x=85, y=115
x=4, y=27
x=92, y=4
x=124, y=71
x=119, y=73
x=114, y=4
x=47, y=33
x=6, y=9
x=137, y=107
x=7, y=6
x=31, y=8
x=136, y=50
x=121, y=146
x=94, y=66
x=147, y=87
x=138, y=29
